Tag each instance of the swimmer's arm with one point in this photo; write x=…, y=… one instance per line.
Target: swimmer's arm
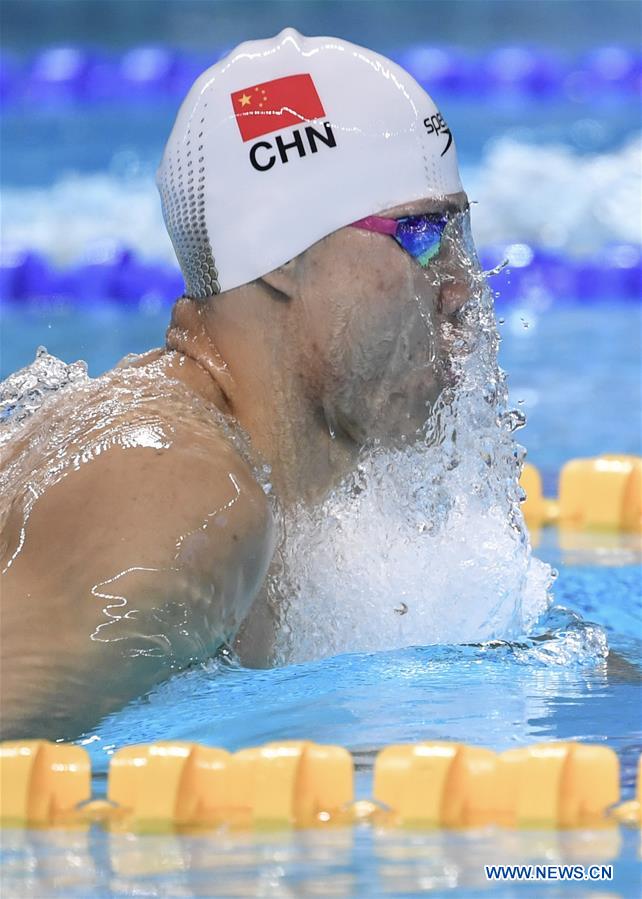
x=136, y=564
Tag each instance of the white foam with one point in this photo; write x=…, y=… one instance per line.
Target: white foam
x=392, y=567
x=546, y=195
x=552, y=197
x=100, y=212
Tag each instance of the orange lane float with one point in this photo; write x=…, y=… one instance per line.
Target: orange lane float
x=297, y=783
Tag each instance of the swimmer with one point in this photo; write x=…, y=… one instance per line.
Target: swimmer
x=311, y=190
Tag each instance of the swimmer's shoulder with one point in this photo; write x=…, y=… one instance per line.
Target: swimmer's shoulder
x=154, y=477
x=135, y=539
x=181, y=455
x=192, y=414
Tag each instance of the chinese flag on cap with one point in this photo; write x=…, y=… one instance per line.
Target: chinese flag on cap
x=276, y=104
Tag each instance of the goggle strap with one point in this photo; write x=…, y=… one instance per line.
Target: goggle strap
x=377, y=223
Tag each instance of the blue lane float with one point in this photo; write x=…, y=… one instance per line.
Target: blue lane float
x=533, y=275
x=541, y=276
x=124, y=279
x=72, y=74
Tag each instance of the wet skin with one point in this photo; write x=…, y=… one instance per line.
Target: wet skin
x=135, y=537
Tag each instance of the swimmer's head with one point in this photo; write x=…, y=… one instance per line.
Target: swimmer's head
x=287, y=140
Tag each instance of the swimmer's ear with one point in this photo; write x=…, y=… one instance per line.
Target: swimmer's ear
x=282, y=279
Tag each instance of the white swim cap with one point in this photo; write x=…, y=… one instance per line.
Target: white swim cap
x=286, y=140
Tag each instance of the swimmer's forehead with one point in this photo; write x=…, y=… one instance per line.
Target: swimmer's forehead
x=450, y=203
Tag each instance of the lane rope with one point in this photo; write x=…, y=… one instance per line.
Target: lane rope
x=176, y=785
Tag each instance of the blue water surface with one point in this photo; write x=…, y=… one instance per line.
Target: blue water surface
x=495, y=695
x=498, y=696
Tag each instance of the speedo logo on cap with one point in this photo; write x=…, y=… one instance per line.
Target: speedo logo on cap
x=436, y=125
x=274, y=105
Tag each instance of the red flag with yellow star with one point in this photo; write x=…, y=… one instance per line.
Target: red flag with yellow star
x=276, y=104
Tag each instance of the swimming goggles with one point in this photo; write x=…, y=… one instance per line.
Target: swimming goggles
x=419, y=235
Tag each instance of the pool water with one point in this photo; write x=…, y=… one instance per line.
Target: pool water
x=337, y=863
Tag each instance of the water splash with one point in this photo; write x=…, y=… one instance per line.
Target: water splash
x=563, y=639
x=406, y=532
x=432, y=527
x=25, y=391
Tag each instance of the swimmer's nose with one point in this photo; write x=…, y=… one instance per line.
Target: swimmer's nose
x=456, y=279
x=452, y=296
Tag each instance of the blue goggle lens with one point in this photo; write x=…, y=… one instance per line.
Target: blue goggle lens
x=421, y=235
